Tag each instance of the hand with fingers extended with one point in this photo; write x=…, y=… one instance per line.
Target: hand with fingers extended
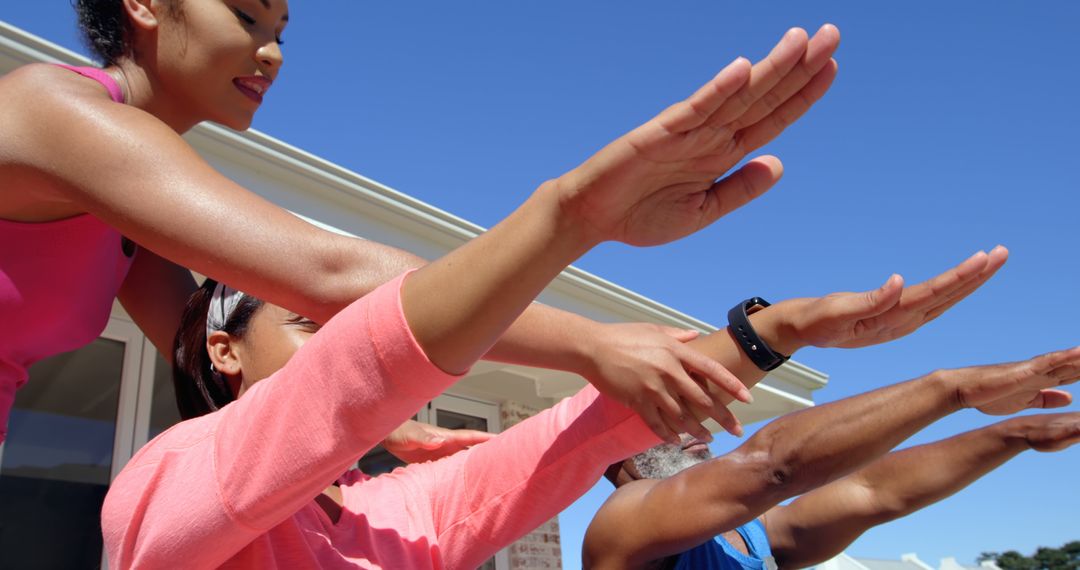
x=1003, y=389
x=648, y=369
x=416, y=442
x=660, y=181
x=1049, y=432
x=851, y=320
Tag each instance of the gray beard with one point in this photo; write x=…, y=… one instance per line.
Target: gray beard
x=665, y=460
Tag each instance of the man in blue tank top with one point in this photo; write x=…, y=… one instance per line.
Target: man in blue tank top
x=675, y=506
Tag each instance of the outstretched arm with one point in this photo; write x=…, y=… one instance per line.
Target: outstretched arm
x=804, y=450
x=655, y=184
x=820, y=524
x=852, y=319
x=144, y=180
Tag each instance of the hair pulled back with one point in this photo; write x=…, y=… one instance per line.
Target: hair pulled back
x=199, y=388
x=105, y=28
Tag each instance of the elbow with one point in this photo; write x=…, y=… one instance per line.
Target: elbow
x=779, y=462
x=344, y=269
x=881, y=506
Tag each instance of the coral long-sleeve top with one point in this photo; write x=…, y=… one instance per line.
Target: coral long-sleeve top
x=236, y=488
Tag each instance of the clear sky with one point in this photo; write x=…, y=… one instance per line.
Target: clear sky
x=951, y=128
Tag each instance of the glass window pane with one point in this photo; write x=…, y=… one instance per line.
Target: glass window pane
x=454, y=420
x=379, y=461
x=57, y=459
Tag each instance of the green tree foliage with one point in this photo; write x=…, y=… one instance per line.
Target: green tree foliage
x=1067, y=557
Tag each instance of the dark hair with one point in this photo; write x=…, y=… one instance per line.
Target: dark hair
x=105, y=28
x=199, y=388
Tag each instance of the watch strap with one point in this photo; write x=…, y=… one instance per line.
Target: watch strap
x=753, y=345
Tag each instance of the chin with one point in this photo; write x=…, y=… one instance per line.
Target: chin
x=235, y=123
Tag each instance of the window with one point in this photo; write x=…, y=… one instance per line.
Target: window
x=68, y=437
x=83, y=415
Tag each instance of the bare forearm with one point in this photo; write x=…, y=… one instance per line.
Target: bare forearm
x=771, y=324
x=461, y=304
x=911, y=479
x=812, y=447
x=793, y=455
x=822, y=523
x=542, y=336
x=546, y=337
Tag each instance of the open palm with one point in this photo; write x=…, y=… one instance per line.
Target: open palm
x=659, y=182
x=852, y=320
x=1004, y=389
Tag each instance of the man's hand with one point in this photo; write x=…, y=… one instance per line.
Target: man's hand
x=645, y=367
x=851, y=320
x=416, y=442
x=1051, y=432
x=1003, y=389
x=659, y=182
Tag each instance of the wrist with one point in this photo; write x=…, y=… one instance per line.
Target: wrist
x=948, y=387
x=775, y=326
x=586, y=344
x=1016, y=432
x=565, y=191
x=544, y=231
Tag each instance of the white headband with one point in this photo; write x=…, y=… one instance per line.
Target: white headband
x=222, y=305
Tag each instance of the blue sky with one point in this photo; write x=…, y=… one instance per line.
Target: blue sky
x=950, y=128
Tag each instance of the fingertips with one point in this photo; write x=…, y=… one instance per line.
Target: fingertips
x=767, y=169
x=994, y=261
x=652, y=419
x=882, y=299
x=717, y=375
x=889, y=293
x=699, y=431
x=733, y=426
x=673, y=427
x=742, y=186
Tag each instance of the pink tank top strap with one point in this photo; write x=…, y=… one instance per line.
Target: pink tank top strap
x=101, y=77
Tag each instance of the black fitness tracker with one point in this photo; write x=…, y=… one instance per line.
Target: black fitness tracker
x=757, y=349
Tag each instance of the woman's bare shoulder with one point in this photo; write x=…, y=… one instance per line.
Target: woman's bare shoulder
x=35, y=89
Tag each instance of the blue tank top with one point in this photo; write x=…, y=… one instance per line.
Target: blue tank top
x=719, y=554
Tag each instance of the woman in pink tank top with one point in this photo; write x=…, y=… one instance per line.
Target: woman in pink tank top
x=78, y=170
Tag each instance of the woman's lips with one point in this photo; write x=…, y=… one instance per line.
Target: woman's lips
x=253, y=87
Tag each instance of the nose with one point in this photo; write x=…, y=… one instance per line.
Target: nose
x=270, y=57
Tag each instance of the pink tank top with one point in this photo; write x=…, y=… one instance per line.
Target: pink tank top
x=57, y=283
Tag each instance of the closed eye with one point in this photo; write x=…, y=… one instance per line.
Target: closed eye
x=244, y=16
x=304, y=322
x=250, y=21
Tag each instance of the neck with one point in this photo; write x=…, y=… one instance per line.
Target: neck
x=143, y=91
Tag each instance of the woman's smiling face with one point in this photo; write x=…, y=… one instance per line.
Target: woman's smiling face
x=213, y=59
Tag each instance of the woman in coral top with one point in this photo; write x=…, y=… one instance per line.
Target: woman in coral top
x=89, y=155
x=267, y=481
